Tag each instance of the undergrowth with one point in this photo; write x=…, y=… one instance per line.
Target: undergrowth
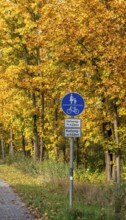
x=45, y=189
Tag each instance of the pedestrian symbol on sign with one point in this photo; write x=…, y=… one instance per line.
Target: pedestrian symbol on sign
x=72, y=107
x=73, y=104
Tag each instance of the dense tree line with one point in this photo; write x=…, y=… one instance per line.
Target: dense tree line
x=50, y=48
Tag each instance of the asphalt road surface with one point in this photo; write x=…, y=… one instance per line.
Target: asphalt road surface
x=11, y=206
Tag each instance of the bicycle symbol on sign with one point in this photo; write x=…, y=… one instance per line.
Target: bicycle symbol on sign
x=72, y=108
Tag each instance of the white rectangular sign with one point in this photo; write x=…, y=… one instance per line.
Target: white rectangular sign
x=72, y=123
x=72, y=132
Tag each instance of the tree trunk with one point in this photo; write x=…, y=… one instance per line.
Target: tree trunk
x=118, y=166
x=42, y=148
x=11, y=151
x=2, y=148
x=23, y=145
x=35, y=138
x=114, y=168
x=108, y=166
x=64, y=153
x=36, y=142
x=56, y=150
x=116, y=126
x=35, y=131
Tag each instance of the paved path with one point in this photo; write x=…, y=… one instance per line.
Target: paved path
x=11, y=207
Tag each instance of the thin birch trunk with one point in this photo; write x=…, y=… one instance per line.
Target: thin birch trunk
x=108, y=167
x=11, y=151
x=114, y=177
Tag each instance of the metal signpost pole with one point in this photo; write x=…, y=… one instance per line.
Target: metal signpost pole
x=71, y=172
x=72, y=104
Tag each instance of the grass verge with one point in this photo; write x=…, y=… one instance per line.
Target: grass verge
x=45, y=190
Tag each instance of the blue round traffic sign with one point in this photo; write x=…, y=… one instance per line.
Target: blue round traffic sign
x=72, y=104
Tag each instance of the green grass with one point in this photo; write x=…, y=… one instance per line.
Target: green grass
x=45, y=190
